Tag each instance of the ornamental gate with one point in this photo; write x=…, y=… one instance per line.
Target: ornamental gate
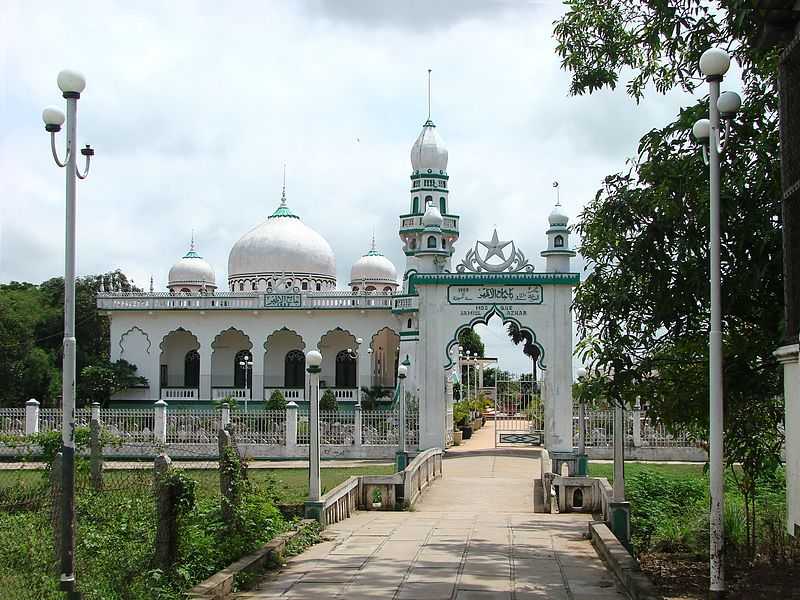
x=519, y=411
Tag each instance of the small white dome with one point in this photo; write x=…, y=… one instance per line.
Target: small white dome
x=432, y=217
x=373, y=268
x=282, y=244
x=558, y=218
x=428, y=154
x=191, y=270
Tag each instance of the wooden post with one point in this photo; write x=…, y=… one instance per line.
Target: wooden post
x=167, y=529
x=55, y=506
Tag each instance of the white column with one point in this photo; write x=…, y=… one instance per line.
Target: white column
x=205, y=352
x=291, y=426
x=619, y=453
x=225, y=415
x=559, y=373
x=258, y=375
x=160, y=422
x=95, y=411
x=31, y=416
x=788, y=357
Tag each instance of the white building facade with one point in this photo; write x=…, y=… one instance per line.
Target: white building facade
x=196, y=343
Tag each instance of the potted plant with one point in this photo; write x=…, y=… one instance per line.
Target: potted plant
x=377, y=498
x=457, y=437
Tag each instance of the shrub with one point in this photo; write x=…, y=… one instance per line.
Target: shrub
x=276, y=401
x=328, y=401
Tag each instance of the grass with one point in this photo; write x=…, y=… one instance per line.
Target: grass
x=668, y=470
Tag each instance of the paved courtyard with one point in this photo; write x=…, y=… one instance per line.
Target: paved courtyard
x=472, y=536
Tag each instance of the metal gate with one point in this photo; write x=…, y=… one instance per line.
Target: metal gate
x=518, y=411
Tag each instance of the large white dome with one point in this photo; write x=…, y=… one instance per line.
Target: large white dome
x=282, y=246
x=428, y=154
x=191, y=271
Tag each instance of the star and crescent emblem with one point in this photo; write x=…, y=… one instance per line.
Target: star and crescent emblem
x=496, y=249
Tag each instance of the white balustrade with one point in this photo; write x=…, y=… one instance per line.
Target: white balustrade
x=640, y=431
x=289, y=394
x=179, y=393
x=219, y=393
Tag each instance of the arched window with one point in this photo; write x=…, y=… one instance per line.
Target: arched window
x=370, y=288
x=241, y=286
x=345, y=370
x=408, y=326
x=242, y=374
x=191, y=369
x=388, y=288
x=355, y=288
x=559, y=241
x=444, y=244
x=319, y=287
x=304, y=286
x=413, y=244
x=186, y=291
x=415, y=205
x=428, y=199
x=442, y=205
x=255, y=287
x=294, y=369
x=431, y=241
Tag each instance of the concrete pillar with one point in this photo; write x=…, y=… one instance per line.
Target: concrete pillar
x=31, y=417
x=788, y=357
x=559, y=374
x=358, y=425
x=95, y=411
x=314, y=504
x=160, y=433
x=636, y=415
x=205, y=352
x=291, y=426
x=258, y=375
x=225, y=416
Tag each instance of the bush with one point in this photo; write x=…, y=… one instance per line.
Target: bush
x=328, y=401
x=276, y=401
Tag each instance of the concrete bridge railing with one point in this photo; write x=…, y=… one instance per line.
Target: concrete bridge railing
x=400, y=490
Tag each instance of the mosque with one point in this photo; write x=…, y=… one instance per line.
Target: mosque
x=200, y=340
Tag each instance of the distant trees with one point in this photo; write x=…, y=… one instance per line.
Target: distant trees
x=31, y=333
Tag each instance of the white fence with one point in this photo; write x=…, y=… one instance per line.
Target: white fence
x=640, y=431
x=279, y=433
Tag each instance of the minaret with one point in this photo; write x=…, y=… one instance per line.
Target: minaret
x=558, y=253
x=429, y=186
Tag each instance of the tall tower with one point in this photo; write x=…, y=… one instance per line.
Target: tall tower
x=558, y=253
x=429, y=187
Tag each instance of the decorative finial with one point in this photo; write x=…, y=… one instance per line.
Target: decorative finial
x=558, y=194
x=191, y=244
x=283, y=192
x=429, y=94
x=151, y=284
x=372, y=245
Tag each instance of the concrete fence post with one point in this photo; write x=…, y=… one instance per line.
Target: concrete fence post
x=291, y=425
x=31, y=416
x=160, y=432
x=357, y=435
x=167, y=530
x=95, y=448
x=226, y=415
x=637, y=425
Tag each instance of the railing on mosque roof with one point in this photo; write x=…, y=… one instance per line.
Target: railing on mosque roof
x=252, y=301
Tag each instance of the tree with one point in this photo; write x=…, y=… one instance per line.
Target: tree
x=328, y=401
x=469, y=340
x=276, y=401
x=644, y=310
x=101, y=381
x=371, y=395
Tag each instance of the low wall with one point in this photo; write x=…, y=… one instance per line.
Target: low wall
x=669, y=453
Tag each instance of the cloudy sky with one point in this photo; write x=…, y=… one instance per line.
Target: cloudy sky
x=193, y=107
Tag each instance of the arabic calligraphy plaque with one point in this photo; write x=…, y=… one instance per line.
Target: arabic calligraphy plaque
x=282, y=301
x=494, y=294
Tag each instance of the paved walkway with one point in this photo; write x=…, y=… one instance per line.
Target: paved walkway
x=472, y=536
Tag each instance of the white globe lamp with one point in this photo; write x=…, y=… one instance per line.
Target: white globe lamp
x=728, y=104
x=313, y=358
x=701, y=130
x=71, y=82
x=715, y=62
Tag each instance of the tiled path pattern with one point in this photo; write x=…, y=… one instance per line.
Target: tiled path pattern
x=472, y=536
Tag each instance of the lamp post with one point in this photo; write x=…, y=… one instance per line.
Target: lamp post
x=313, y=505
x=247, y=366
x=714, y=63
x=468, y=381
x=402, y=453
x=354, y=354
x=71, y=84
x=582, y=459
